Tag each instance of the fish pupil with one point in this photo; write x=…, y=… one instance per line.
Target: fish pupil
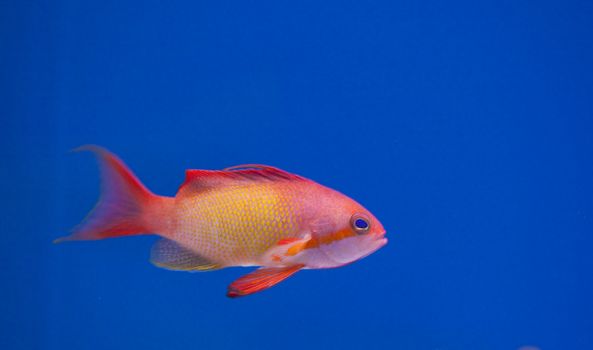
x=361, y=224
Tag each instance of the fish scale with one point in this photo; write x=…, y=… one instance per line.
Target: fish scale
x=235, y=225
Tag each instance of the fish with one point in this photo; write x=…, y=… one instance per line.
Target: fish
x=246, y=215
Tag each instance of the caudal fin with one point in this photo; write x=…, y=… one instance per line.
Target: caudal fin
x=125, y=206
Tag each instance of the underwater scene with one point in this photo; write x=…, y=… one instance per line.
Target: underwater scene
x=296, y=175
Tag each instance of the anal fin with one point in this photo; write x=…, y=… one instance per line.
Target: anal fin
x=260, y=279
x=170, y=255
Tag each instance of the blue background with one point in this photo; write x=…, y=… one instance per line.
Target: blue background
x=466, y=127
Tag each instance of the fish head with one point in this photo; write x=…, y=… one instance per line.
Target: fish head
x=343, y=232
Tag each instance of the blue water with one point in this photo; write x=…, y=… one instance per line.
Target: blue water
x=466, y=127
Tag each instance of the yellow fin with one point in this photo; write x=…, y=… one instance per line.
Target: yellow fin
x=170, y=255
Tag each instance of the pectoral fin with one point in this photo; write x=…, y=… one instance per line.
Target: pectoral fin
x=285, y=250
x=170, y=255
x=260, y=279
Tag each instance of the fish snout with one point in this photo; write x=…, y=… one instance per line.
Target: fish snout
x=380, y=238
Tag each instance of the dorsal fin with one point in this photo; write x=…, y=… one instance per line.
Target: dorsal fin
x=250, y=166
x=197, y=180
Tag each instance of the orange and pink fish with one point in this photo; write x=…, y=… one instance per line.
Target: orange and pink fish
x=246, y=215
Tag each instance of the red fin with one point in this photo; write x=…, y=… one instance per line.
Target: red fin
x=199, y=180
x=260, y=279
x=124, y=203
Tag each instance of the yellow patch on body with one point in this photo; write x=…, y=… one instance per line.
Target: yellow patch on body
x=235, y=225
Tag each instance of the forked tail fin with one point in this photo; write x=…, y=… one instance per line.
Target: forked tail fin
x=125, y=206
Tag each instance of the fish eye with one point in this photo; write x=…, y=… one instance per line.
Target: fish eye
x=360, y=224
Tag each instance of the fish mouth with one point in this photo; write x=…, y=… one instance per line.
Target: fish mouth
x=380, y=241
x=381, y=237
x=351, y=249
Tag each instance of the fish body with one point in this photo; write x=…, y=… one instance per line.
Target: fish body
x=250, y=215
